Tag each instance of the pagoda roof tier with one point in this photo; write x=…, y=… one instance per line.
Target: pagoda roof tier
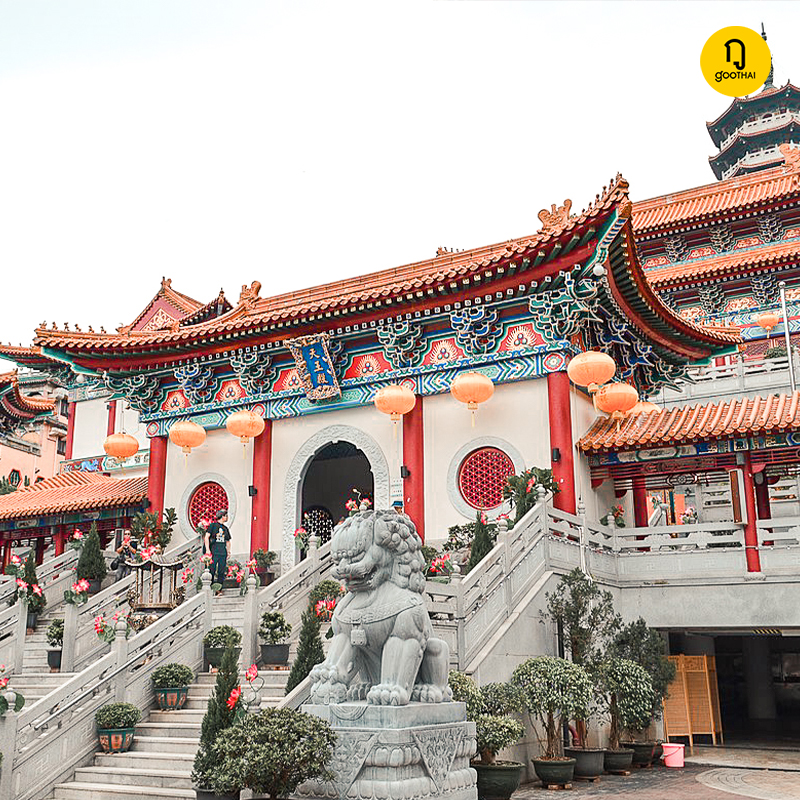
x=565, y=242
x=740, y=145
x=20, y=406
x=686, y=424
x=75, y=491
x=743, y=105
x=737, y=263
x=714, y=201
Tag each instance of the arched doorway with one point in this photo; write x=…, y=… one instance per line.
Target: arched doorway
x=332, y=474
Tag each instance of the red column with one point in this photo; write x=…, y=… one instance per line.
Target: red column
x=762, y=499
x=39, y=550
x=558, y=402
x=640, y=515
x=157, y=474
x=70, y=429
x=750, y=530
x=7, y=551
x=112, y=417
x=414, y=462
x=59, y=539
x=262, y=472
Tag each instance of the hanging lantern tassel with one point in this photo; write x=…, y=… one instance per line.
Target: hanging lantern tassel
x=395, y=400
x=472, y=389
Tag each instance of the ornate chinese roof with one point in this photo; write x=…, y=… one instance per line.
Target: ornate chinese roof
x=685, y=424
x=167, y=308
x=17, y=406
x=75, y=491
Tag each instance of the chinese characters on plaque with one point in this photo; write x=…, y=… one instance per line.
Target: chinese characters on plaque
x=314, y=366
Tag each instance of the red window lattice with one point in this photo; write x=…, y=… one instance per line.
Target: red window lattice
x=208, y=498
x=482, y=476
x=318, y=522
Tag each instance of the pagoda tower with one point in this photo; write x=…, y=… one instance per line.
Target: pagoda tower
x=749, y=132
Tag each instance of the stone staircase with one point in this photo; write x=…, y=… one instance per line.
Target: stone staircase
x=227, y=608
x=159, y=765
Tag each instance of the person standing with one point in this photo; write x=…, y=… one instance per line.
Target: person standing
x=218, y=543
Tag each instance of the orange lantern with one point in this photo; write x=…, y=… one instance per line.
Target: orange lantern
x=186, y=435
x=644, y=407
x=616, y=399
x=472, y=388
x=245, y=425
x=121, y=445
x=394, y=400
x=591, y=369
x=768, y=320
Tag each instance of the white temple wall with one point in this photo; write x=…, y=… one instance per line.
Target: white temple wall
x=91, y=425
x=597, y=501
x=514, y=420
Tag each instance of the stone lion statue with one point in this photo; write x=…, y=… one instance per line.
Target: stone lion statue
x=383, y=649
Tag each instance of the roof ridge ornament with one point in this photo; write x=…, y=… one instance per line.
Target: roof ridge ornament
x=791, y=157
x=768, y=83
x=250, y=293
x=555, y=218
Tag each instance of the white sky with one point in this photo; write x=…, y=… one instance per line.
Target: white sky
x=298, y=143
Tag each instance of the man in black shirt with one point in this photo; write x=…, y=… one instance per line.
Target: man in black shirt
x=218, y=543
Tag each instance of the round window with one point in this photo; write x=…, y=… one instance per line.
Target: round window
x=482, y=477
x=206, y=500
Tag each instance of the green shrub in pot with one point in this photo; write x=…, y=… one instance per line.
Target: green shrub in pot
x=55, y=633
x=627, y=695
x=171, y=685
x=274, y=631
x=115, y=726
x=222, y=636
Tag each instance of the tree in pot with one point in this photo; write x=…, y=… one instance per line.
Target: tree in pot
x=627, y=696
x=91, y=563
x=645, y=647
x=55, y=638
x=488, y=707
x=553, y=689
x=265, y=559
x=274, y=630
x=309, y=649
x=115, y=724
x=29, y=591
x=171, y=685
x=217, y=640
x=585, y=615
x=272, y=753
x=220, y=714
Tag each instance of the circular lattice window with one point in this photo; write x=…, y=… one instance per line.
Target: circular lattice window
x=206, y=500
x=482, y=477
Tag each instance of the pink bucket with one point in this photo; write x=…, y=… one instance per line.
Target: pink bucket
x=673, y=754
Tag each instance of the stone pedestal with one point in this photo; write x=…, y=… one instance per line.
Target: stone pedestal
x=421, y=750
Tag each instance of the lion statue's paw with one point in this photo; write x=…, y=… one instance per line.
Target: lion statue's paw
x=326, y=693
x=388, y=694
x=431, y=693
x=358, y=691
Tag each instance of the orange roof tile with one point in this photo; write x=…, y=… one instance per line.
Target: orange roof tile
x=725, y=264
x=739, y=417
x=75, y=491
x=182, y=303
x=16, y=401
x=714, y=199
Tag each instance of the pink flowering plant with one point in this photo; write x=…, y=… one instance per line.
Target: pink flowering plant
x=105, y=628
x=301, y=538
x=441, y=566
x=76, y=540
x=324, y=609
x=238, y=703
x=357, y=503
x=523, y=489
x=615, y=516
x=19, y=700
x=78, y=593
x=689, y=516
x=28, y=589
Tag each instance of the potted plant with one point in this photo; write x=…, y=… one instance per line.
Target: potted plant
x=627, y=694
x=520, y=489
x=272, y=753
x=91, y=563
x=220, y=714
x=115, y=724
x=55, y=638
x=274, y=631
x=488, y=707
x=235, y=575
x=219, y=638
x=28, y=590
x=585, y=616
x=171, y=685
x=645, y=647
x=553, y=689
x=151, y=529
x=265, y=559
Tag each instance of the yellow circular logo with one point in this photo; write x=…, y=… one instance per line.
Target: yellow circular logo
x=735, y=61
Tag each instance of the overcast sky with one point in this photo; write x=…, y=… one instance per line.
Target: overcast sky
x=298, y=143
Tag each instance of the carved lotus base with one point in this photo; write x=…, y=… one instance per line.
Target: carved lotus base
x=421, y=750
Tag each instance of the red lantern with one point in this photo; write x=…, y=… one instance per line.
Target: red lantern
x=121, y=445
x=472, y=388
x=245, y=425
x=186, y=435
x=591, y=369
x=644, y=407
x=616, y=399
x=395, y=400
x=768, y=320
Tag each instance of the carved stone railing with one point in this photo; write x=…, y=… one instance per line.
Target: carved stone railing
x=48, y=740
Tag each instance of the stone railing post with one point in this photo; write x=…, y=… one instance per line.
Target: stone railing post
x=541, y=494
x=19, y=634
x=582, y=534
x=313, y=549
x=502, y=538
x=8, y=736
x=250, y=627
x=120, y=650
x=205, y=579
x=70, y=636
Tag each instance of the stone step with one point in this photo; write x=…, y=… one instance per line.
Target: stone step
x=110, y=791
x=142, y=759
x=184, y=716
x=169, y=729
x=138, y=777
x=165, y=744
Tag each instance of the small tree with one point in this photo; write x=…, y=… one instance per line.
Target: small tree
x=6, y=487
x=30, y=591
x=149, y=529
x=552, y=689
x=482, y=543
x=627, y=695
x=272, y=753
x=521, y=489
x=91, y=564
x=309, y=649
x=219, y=716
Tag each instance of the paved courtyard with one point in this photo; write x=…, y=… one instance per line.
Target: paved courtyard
x=691, y=783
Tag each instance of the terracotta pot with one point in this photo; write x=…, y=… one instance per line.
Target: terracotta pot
x=498, y=781
x=205, y=794
x=115, y=740
x=555, y=771
x=172, y=699
x=588, y=762
x=618, y=760
x=275, y=655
